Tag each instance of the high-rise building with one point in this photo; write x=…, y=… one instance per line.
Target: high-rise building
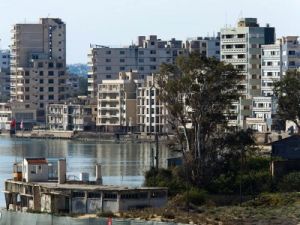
x=205, y=46
x=4, y=75
x=38, y=64
x=117, y=103
x=145, y=57
x=241, y=47
x=152, y=114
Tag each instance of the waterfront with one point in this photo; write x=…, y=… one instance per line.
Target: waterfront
x=122, y=163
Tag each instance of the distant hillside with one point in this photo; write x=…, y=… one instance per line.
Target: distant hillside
x=79, y=69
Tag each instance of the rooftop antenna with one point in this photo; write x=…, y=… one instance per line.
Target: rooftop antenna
x=226, y=22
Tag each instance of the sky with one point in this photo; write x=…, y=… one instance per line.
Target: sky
x=119, y=22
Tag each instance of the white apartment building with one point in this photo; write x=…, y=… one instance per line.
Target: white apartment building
x=205, y=46
x=241, y=47
x=146, y=56
x=262, y=111
x=5, y=116
x=151, y=112
x=69, y=117
x=38, y=64
x=117, y=104
x=4, y=75
x=271, y=68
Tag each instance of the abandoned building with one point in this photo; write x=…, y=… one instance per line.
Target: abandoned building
x=33, y=189
x=285, y=156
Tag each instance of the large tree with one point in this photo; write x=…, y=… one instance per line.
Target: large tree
x=198, y=93
x=287, y=92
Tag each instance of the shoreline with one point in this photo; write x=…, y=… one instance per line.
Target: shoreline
x=88, y=136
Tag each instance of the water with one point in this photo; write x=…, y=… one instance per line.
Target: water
x=122, y=164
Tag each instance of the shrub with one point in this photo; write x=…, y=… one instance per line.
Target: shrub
x=106, y=214
x=290, y=182
x=196, y=196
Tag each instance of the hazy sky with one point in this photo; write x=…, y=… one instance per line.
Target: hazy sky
x=119, y=22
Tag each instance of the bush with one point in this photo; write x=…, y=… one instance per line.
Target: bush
x=168, y=215
x=172, y=179
x=196, y=196
x=107, y=214
x=290, y=182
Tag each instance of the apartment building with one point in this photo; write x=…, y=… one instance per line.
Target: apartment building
x=5, y=116
x=117, y=103
x=4, y=75
x=205, y=46
x=38, y=64
x=151, y=112
x=69, y=117
x=145, y=57
x=241, y=47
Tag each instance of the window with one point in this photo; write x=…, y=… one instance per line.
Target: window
x=152, y=67
x=50, y=81
x=108, y=52
x=26, y=73
x=94, y=195
x=50, y=65
x=141, y=52
x=50, y=89
x=40, y=65
x=78, y=194
x=122, y=52
x=27, y=89
x=122, y=60
x=41, y=97
x=122, y=68
x=152, y=52
x=41, y=81
x=108, y=76
x=41, y=89
x=50, y=73
x=152, y=59
x=51, y=97
x=41, y=73
x=110, y=195
x=107, y=60
x=141, y=60
x=26, y=81
x=108, y=68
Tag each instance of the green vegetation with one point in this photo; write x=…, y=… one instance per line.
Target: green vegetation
x=222, y=166
x=287, y=90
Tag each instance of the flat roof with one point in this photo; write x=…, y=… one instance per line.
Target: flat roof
x=87, y=187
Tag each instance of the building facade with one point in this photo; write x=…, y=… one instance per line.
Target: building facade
x=5, y=116
x=69, y=117
x=38, y=64
x=206, y=46
x=117, y=104
x=151, y=112
x=241, y=47
x=145, y=57
x=4, y=75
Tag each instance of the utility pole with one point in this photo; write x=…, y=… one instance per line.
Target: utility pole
x=157, y=151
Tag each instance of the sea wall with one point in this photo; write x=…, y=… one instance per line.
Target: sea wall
x=18, y=218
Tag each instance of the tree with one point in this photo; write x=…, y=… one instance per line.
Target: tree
x=287, y=92
x=198, y=93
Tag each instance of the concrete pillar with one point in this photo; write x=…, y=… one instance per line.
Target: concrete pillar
x=62, y=171
x=99, y=174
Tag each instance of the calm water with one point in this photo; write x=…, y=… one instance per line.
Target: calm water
x=122, y=164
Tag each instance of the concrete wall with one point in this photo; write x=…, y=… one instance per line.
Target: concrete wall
x=94, y=205
x=79, y=205
x=36, y=172
x=110, y=205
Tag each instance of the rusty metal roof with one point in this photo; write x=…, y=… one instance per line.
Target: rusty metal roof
x=37, y=161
